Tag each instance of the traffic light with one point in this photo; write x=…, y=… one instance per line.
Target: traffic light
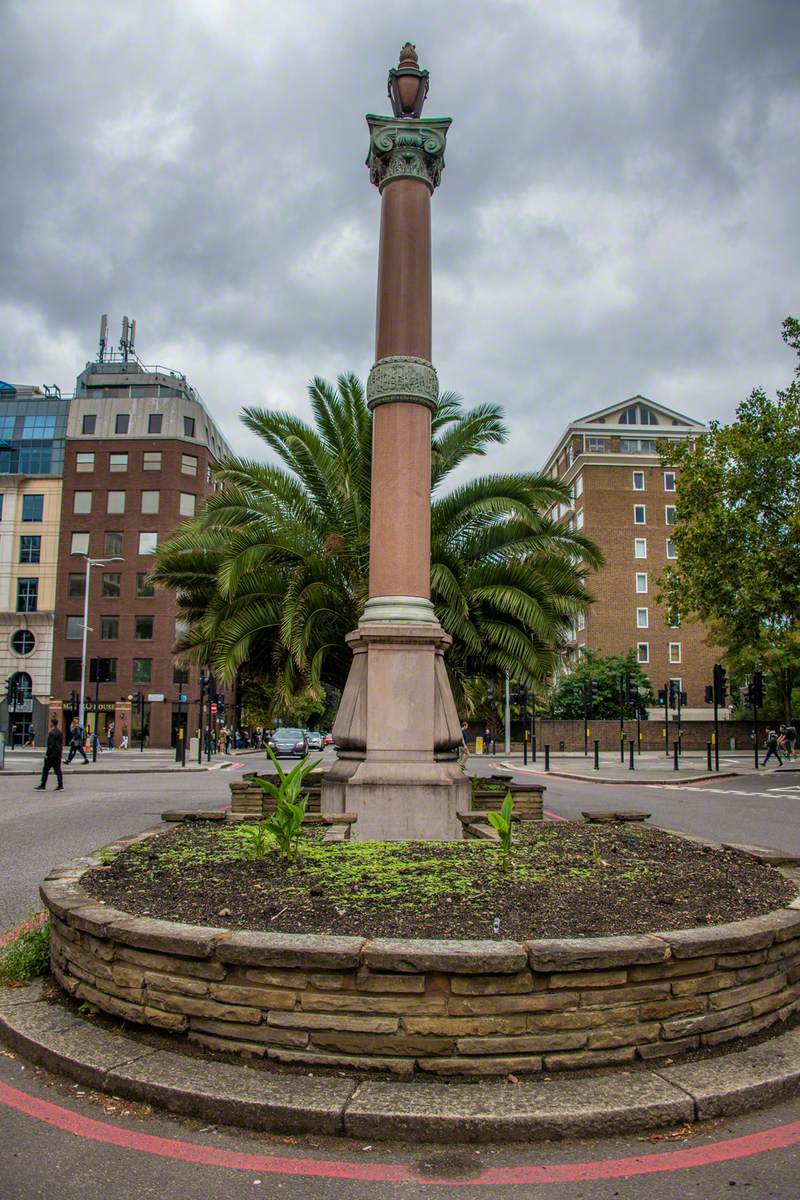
x=594, y=691
x=631, y=691
x=204, y=682
x=662, y=697
x=709, y=694
x=720, y=684
x=757, y=686
x=137, y=702
x=490, y=695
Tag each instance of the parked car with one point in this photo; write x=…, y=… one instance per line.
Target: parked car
x=288, y=742
x=328, y=740
x=313, y=739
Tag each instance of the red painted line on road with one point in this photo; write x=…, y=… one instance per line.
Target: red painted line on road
x=780, y=1137
x=32, y=922
x=554, y=816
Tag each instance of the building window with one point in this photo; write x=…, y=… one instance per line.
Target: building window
x=669, y=514
x=72, y=670
x=188, y=464
x=144, y=588
x=150, y=502
x=122, y=422
x=641, y=581
x=674, y=652
x=89, y=423
x=84, y=462
x=148, y=543
x=671, y=551
x=27, y=595
x=188, y=427
x=112, y=543
x=33, y=507
x=187, y=504
x=143, y=629
x=30, y=548
x=578, y=485
x=79, y=543
x=151, y=460
x=116, y=502
x=581, y=622
x=642, y=618
x=638, y=414
x=673, y=618
x=76, y=584
x=112, y=585
x=637, y=446
x=74, y=629
x=154, y=422
x=578, y=518
x=638, y=481
x=639, y=514
x=82, y=502
x=23, y=642
x=640, y=548
x=210, y=476
x=669, y=481
x=117, y=462
x=108, y=670
x=109, y=629
x=597, y=445
x=142, y=670
x=643, y=652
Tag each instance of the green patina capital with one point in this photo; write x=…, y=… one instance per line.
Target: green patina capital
x=406, y=148
x=403, y=378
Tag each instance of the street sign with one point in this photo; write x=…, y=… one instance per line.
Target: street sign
x=213, y=708
x=155, y=696
x=182, y=698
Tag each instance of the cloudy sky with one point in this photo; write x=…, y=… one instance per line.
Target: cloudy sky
x=618, y=213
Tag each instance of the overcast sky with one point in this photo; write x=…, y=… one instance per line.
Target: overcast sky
x=618, y=213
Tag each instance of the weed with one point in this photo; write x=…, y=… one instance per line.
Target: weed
x=286, y=823
x=27, y=956
x=502, y=822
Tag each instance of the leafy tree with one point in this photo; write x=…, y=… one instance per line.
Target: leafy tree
x=605, y=669
x=273, y=572
x=737, y=532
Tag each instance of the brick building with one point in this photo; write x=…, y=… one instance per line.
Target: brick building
x=139, y=451
x=624, y=501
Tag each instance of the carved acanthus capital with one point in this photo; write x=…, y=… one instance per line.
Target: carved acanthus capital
x=403, y=148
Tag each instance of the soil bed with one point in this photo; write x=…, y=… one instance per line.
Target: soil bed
x=565, y=880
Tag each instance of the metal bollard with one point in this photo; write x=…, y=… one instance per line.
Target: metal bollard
x=547, y=758
x=597, y=756
x=533, y=748
x=675, y=763
x=630, y=764
x=708, y=755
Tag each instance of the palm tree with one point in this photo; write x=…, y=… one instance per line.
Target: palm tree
x=273, y=572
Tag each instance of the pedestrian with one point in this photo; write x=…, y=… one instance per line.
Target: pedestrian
x=123, y=745
x=52, y=757
x=76, y=741
x=110, y=735
x=487, y=737
x=791, y=738
x=772, y=748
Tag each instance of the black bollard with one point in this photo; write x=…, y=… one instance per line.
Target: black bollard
x=708, y=755
x=630, y=764
x=533, y=748
x=547, y=758
x=675, y=763
x=597, y=755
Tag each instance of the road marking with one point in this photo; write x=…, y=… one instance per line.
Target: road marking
x=779, y=1137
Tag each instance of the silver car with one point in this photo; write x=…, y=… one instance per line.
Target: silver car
x=288, y=743
x=313, y=739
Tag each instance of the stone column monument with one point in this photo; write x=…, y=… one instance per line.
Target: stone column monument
x=397, y=724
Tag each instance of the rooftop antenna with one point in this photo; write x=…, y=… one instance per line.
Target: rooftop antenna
x=103, y=335
x=132, y=337
x=123, y=341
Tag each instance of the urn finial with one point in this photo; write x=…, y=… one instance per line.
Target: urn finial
x=408, y=84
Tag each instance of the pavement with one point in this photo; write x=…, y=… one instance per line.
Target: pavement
x=560, y=1106
x=115, y=762
x=650, y=767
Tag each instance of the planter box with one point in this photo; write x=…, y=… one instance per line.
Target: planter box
x=528, y=800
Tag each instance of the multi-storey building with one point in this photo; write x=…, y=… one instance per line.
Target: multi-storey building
x=624, y=500
x=33, y=426
x=139, y=455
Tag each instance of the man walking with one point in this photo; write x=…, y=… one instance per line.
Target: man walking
x=52, y=757
x=76, y=742
x=772, y=748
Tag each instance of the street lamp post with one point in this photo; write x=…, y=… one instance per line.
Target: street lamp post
x=90, y=562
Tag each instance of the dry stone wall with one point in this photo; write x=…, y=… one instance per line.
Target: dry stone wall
x=465, y=1008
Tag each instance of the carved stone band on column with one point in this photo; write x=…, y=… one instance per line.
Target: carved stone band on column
x=406, y=148
x=402, y=377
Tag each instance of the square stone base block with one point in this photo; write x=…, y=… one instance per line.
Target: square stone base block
x=396, y=801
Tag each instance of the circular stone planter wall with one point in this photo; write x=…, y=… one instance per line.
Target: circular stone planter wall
x=463, y=1008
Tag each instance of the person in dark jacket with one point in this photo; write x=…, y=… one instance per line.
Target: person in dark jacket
x=52, y=757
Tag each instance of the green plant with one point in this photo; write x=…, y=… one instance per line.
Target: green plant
x=286, y=823
x=257, y=839
x=27, y=956
x=502, y=822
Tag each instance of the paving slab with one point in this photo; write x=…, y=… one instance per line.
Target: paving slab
x=487, y=1112
x=722, y=1087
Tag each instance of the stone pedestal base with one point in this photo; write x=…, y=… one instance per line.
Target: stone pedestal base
x=396, y=721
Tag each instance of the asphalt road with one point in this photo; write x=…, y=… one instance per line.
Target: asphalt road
x=96, y=1149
